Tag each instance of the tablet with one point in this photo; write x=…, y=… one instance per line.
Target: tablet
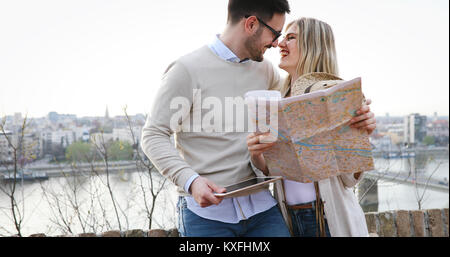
x=247, y=186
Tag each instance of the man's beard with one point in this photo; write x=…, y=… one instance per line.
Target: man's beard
x=252, y=46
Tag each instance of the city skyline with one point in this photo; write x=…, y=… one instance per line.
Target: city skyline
x=22, y=115
x=80, y=57
x=102, y=114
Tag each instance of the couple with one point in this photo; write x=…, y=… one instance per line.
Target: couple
x=202, y=163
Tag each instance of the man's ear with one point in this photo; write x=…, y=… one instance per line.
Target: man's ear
x=251, y=25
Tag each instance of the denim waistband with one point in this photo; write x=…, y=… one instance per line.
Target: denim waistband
x=313, y=203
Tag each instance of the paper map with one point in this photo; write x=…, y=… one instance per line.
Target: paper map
x=314, y=139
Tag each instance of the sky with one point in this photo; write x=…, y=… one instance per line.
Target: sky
x=77, y=57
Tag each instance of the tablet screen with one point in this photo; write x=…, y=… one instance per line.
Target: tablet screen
x=246, y=183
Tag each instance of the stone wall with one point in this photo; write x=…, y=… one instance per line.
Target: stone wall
x=400, y=223
x=128, y=233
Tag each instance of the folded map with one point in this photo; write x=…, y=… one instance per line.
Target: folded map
x=314, y=141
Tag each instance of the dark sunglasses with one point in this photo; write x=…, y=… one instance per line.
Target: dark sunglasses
x=276, y=33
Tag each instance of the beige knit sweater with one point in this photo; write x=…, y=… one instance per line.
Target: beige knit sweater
x=220, y=156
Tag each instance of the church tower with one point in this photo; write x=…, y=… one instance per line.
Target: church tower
x=107, y=113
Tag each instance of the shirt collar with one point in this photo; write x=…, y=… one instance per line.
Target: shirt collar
x=224, y=52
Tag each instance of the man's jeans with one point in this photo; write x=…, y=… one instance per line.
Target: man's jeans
x=304, y=222
x=269, y=223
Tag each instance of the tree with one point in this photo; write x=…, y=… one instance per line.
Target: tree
x=102, y=149
x=17, y=205
x=79, y=152
x=119, y=151
x=429, y=140
x=144, y=164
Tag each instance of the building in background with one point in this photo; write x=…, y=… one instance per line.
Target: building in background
x=28, y=147
x=61, y=118
x=124, y=134
x=6, y=152
x=415, y=129
x=439, y=131
x=56, y=141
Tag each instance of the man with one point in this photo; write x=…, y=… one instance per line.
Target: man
x=203, y=161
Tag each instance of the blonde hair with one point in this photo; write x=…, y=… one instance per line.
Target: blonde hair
x=317, y=50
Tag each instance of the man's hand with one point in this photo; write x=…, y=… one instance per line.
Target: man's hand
x=365, y=119
x=203, y=191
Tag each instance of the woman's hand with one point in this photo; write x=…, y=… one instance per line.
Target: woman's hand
x=256, y=144
x=365, y=119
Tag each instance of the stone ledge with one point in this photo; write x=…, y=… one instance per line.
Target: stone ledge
x=399, y=223
x=38, y=235
x=87, y=235
x=112, y=233
x=157, y=233
x=134, y=233
x=402, y=223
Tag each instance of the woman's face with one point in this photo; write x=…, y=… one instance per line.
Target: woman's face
x=290, y=55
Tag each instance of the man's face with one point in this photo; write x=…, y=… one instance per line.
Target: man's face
x=258, y=43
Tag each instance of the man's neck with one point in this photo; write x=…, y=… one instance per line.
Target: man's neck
x=231, y=38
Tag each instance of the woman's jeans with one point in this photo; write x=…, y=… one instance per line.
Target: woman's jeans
x=269, y=223
x=304, y=222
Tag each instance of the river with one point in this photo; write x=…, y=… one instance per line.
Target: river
x=47, y=201
x=393, y=195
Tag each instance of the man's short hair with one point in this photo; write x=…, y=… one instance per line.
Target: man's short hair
x=263, y=9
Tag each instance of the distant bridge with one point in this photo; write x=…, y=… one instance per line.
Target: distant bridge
x=66, y=169
x=410, y=153
x=405, y=177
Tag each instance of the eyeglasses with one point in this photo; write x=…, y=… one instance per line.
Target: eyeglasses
x=276, y=33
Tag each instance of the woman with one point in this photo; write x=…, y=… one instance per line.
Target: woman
x=309, y=47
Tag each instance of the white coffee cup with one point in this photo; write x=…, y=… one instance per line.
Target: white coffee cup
x=255, y=97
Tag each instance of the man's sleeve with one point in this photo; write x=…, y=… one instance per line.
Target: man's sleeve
x=172, y=103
